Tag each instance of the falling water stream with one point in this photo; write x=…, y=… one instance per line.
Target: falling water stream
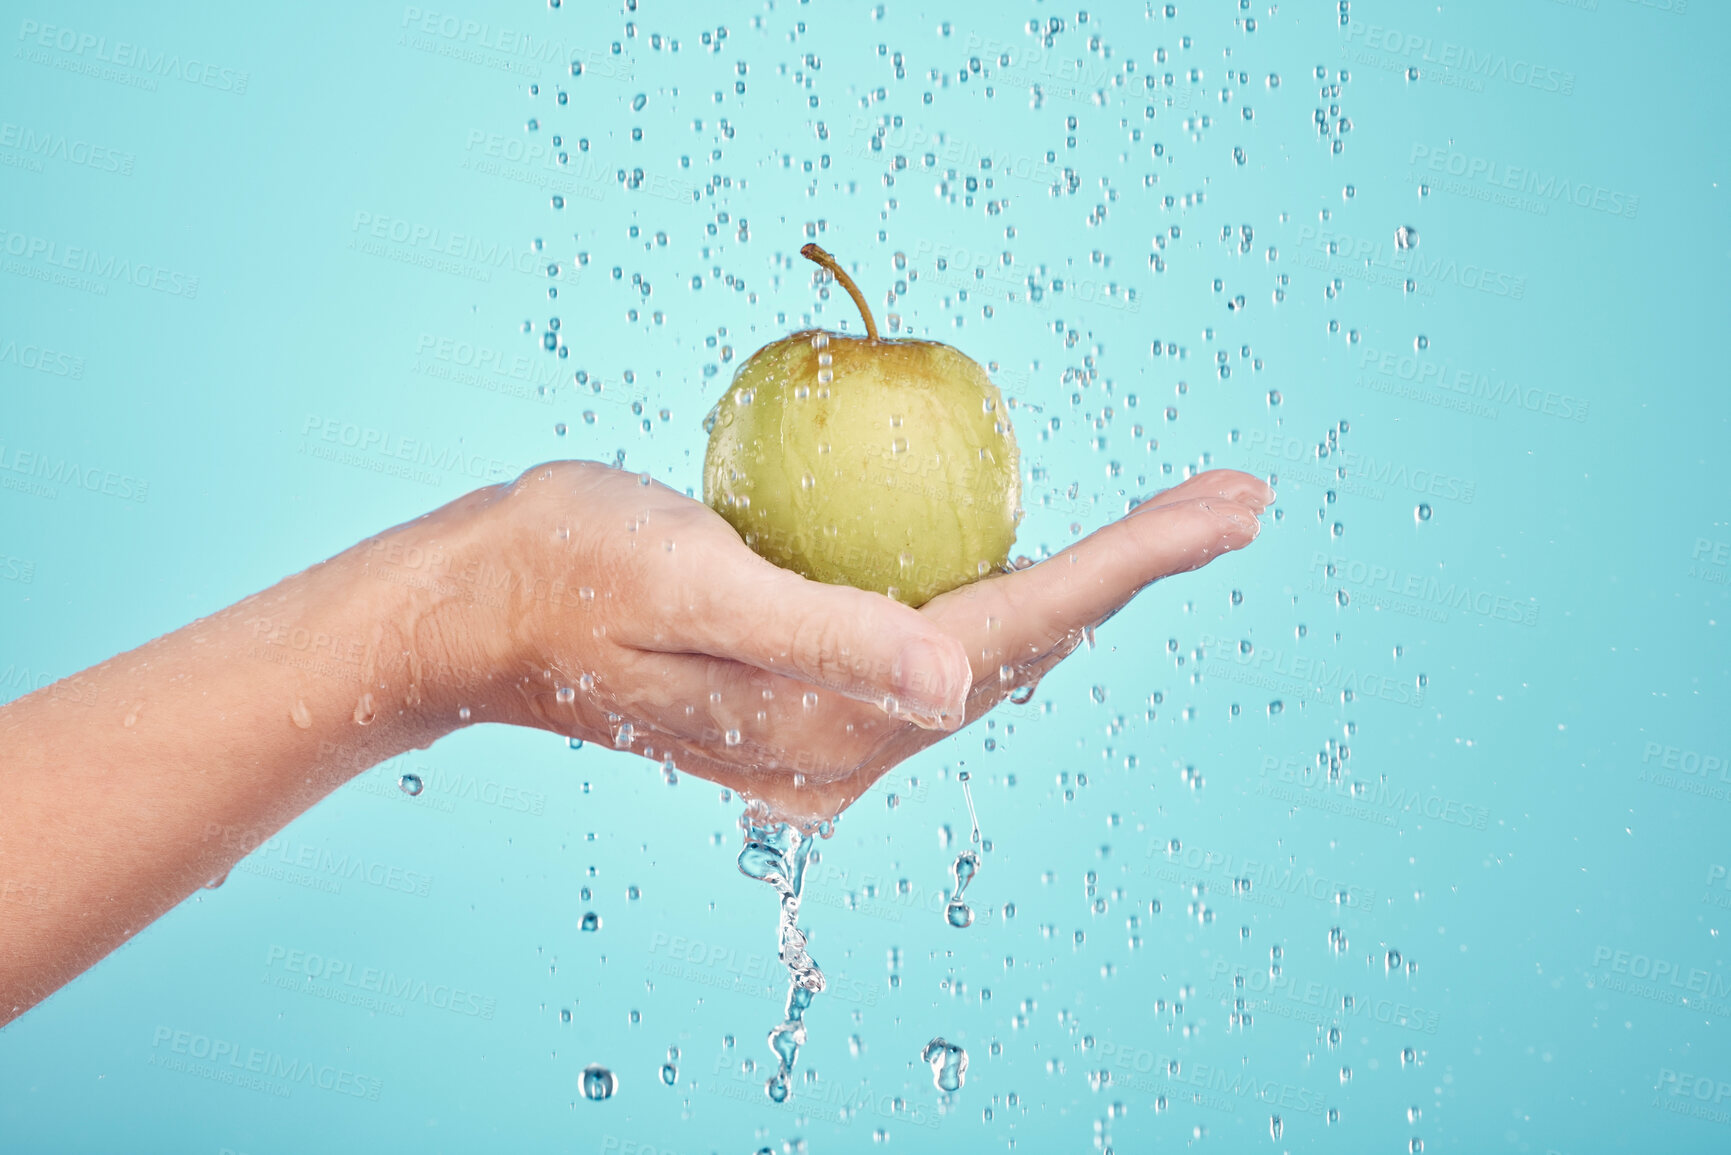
x=776, y=853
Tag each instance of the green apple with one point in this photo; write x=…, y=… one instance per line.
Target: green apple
x=889, y=465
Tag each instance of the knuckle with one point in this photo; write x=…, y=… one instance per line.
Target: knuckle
x=818, y=648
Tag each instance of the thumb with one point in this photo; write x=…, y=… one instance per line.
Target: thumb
x=860, y=644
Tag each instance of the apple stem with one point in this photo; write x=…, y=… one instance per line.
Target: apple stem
x=813, y=252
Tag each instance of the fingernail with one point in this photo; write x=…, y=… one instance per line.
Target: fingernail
x=932, y=683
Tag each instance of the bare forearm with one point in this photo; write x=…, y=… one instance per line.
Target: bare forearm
x=578, y=599
x=127, y=787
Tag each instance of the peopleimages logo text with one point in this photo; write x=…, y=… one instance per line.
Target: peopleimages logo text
x=508, y=49
x=1375, y=261
x=314, y=967
x=39, y=145
x=1310, y=677
x=121, y=54
x=1446, y=54
x=57, y=470
x=1427, y=589
x=1528, y=181
x=1472, y=386
x=260, y=1062
x=92, y=263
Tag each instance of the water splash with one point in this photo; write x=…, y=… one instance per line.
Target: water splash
x=776, y=853
x=949, y=1063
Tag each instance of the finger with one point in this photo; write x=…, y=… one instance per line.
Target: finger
x=1227, y=483
x=738, y=606
x=1014, y=618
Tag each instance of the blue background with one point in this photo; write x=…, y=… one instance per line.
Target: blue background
x=1484, y=738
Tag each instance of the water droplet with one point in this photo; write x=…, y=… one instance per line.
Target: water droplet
x=1422, y=513
x=1275, y=1127
x=298, y=714
x=1406, y=237
x=949, y=1063
x=591, y=922
x=669, y=1074
x=411, y=785
x=1275, y=707
x=959, y=915
x=732, y=737
x=1421, y=342
x=365, y=711
x=598, y=1082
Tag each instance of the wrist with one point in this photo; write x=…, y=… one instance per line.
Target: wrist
x=438, y=618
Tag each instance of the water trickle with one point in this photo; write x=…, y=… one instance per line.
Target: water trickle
x=776, y=853
x=967, y=864
x=957, y=912
x=949, y=1063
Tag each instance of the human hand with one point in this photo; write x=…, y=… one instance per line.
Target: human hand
x=631, y=616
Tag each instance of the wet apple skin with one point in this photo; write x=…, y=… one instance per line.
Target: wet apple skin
x=892, y=468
